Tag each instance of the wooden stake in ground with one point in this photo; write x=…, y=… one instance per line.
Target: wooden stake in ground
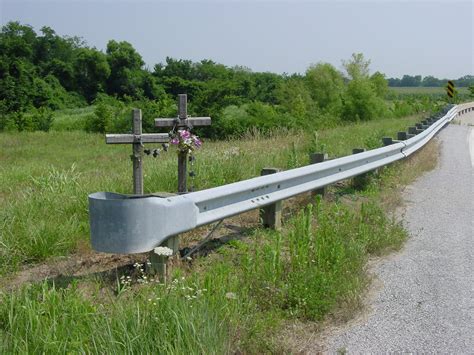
x=137, y=139
x=183, y=122
x=271, y=214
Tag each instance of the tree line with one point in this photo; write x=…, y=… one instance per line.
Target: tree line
x=40, y=72
x=429, y=81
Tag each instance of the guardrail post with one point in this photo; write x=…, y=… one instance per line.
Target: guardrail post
x=359, y=181
x=315, y=158
x=158, y=264
x=271, y=214
x=401, y=136
x=387, y=141
x=412, y=131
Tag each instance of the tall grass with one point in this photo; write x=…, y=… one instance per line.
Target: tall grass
x=232, y=301
x=45, y=177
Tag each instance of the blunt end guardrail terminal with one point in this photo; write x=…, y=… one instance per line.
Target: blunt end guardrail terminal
x=128, y=224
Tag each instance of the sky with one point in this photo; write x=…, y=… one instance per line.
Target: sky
x=399, y=37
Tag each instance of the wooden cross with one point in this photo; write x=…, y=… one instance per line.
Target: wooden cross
x=182, y=121
x=137, y=139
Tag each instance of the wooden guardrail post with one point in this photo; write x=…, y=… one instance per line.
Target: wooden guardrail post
x=419, y=128
x=387, y=141
x=360, y=181
x=315, y=158
x=401, y=136
x=271, y=214
x=158, y=262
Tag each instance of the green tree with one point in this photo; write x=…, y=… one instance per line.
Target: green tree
x=360, y=102
x=265, y=87
x=357, y=67
x=326, y=86
x=17, y=41
x=411, y=81
x=430, y=81
x=91, y=71
x=295, y=97
x=380, y=84
x=363, y=98
x=125, y=69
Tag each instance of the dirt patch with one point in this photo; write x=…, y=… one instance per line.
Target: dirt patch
x=69, y=267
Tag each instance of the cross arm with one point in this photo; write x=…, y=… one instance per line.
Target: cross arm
x=132, y=138
x=194, y=122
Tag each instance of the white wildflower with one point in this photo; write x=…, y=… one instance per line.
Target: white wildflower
x=165, y=251
x=231, y=295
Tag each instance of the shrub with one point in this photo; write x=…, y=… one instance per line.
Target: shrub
x=42, y=119
x=100, y=120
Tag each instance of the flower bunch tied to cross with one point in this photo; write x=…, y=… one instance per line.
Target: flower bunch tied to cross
x=185, y=141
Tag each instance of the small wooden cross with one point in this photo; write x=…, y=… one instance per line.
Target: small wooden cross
x=182, y=121
x=137, y=139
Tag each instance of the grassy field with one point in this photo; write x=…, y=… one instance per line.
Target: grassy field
x=71, y=119
x=236, y=299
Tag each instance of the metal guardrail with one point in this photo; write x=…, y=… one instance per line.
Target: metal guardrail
x=133, y=224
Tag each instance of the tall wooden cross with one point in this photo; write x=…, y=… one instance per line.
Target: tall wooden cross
x=183, y=121
x=137, y=139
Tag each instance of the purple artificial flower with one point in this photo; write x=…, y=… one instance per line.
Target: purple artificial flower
x=175, y=141
x=184, y=134
x=197, y=142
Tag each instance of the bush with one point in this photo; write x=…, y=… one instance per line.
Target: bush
x=237, y=120
x=42, y=119
x=361, y=102
x=19, y=121
x=100, y=120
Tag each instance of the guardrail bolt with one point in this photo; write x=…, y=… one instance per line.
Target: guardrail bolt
x=315, y=158
x=271, y=214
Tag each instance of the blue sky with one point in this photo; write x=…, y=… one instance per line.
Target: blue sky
x=400, y=37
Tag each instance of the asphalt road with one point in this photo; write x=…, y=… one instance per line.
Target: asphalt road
x=426, y=299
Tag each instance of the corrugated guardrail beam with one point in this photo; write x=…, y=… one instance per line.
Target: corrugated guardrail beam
x=133, y=224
